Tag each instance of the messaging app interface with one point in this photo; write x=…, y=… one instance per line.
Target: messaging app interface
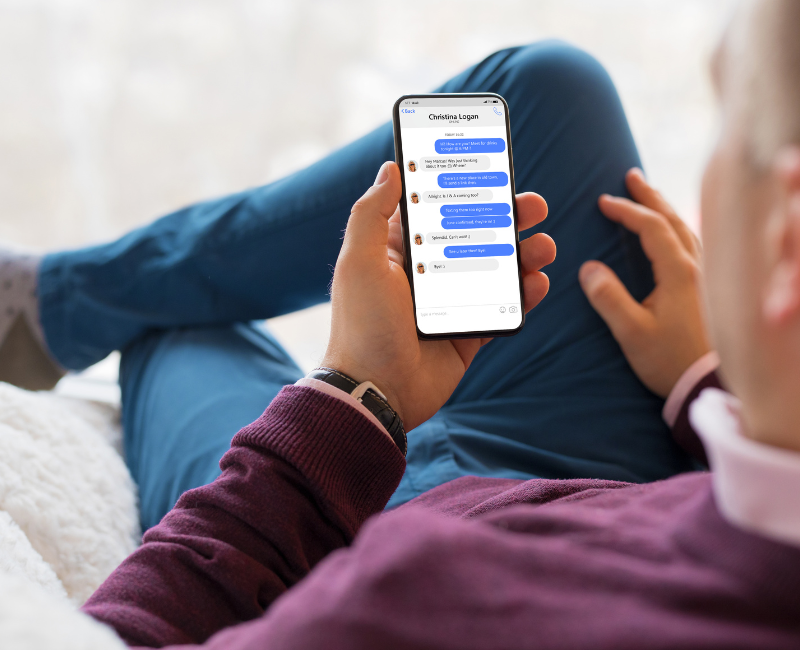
x=458, y=193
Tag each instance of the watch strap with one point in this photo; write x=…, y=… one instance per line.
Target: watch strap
x=371, y=398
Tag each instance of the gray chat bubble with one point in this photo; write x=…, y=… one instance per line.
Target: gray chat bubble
x=459, y=266
x=461, y=236
x=453, y=163
x=456, y=196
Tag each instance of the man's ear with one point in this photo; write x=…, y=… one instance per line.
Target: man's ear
x=781, y=301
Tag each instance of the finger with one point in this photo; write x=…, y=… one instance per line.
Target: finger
x=531, y=210
x=396, y=233
x=611, y=299
x=659, y=240
x=467, y=349
x=534, y=287
x=642, y=192
x=396, y=257
x=537, y=251
x=368, y=225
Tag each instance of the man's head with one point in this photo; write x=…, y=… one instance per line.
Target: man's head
x=751, y=217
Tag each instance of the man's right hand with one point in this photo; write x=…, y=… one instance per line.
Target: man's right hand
x=666, y=333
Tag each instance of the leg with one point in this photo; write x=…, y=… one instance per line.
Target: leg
x=185, y=393
x=253, y=255
x=558, y=400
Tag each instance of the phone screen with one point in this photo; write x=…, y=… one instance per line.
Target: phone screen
x=459, y=214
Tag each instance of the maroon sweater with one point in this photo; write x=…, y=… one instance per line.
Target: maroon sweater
x=276, y=554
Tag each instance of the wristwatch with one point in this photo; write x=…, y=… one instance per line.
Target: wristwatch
x=368, y=394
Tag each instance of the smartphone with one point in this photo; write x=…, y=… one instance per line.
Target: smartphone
x=459, y=214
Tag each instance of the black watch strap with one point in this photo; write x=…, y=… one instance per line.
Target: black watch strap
x=375, y=403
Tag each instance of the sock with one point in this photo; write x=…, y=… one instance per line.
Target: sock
x=24, y=358
x=18, y=273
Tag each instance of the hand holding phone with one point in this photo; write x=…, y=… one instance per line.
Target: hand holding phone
x=373, y=334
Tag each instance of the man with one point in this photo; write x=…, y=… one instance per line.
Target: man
x=275, y=554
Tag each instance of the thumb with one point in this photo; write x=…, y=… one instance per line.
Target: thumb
x=368, y=225
x=610, y=299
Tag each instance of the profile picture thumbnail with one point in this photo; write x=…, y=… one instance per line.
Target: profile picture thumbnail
x=418, y=239
x=421, y=268
x=412, y=165
x=414, y=197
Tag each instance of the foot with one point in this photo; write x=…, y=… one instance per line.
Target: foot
x=24, y=358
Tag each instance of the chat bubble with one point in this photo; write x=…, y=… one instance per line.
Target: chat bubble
x=446, y=196
x=470, y=145
x=488, y=250
x=461, y=237
x=474, y=209
x=458, y=223
x=459, y=266
x=473, y=179
x=438, y=163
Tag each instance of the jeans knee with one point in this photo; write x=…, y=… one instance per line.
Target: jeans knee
x=561, y=71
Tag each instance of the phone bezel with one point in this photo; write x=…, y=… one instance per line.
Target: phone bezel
x=398, y=156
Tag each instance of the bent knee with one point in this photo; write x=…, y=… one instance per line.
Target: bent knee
x=560, y=70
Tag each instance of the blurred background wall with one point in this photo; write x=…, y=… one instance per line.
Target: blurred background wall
x=113, y=112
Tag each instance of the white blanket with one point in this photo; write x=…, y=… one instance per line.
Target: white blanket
x=68, y=517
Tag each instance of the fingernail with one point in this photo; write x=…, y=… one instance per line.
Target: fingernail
x=637, y=172
x=383, y=174
x=589, y=273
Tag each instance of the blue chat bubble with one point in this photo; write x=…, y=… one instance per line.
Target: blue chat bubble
x=485, y=250
x=470, y=145
x=456, y=223
x=473, y=179
x=472, y=209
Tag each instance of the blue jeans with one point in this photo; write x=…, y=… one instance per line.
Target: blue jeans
x=178, y=296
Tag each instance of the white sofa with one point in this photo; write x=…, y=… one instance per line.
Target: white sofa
x=68, y=517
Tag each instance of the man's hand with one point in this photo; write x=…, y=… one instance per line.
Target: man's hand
x=373, y=337
x=666, y=333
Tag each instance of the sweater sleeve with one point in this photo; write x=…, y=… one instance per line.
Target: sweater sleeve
x=296, y=485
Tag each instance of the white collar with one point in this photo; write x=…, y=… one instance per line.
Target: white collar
x=756, y=486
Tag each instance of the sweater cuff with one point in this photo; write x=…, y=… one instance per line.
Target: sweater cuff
x=351, y=464
x=338, y=393
x=687, y=381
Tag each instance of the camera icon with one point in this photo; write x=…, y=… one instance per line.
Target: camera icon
x=512, y=309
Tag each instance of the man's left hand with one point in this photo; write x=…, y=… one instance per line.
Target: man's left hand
x=373, y=336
